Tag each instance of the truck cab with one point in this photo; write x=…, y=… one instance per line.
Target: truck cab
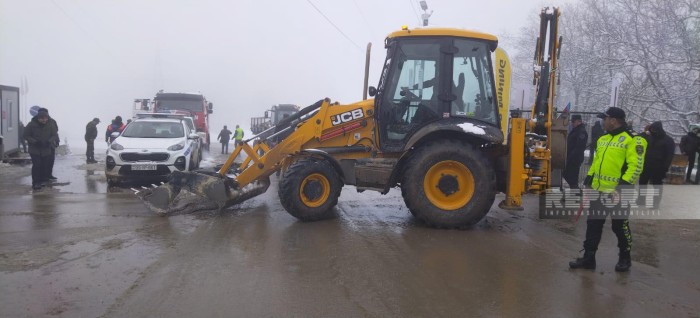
x=194, y=105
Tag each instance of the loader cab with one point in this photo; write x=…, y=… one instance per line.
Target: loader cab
x=434, y=75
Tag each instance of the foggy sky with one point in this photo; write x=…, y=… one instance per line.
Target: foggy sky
x=92, y=58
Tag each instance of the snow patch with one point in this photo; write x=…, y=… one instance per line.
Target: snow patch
x=471, y=128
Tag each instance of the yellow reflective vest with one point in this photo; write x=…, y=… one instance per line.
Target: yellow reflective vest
x=619, y=155
x=238, y=135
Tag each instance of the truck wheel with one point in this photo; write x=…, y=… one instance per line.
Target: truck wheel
x=309, y=189
x=449, y=184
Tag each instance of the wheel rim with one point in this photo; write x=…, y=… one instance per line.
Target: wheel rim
x=314, y=190
x=449, y=185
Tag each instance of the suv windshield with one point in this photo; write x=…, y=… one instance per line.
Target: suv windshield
x=151, y=129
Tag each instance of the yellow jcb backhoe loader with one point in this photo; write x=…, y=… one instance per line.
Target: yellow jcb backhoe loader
x=432, y=129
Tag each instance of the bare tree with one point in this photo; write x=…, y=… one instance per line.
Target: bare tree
x=653, y=44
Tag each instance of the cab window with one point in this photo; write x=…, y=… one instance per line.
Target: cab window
x=471, y=82
x=411, y=93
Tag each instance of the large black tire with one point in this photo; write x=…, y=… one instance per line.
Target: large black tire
x=309, y=189
x=449, y=184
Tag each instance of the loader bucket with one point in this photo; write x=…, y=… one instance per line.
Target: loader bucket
x=187, y=192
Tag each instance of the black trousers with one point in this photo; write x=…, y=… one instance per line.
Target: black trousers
x=691, y=164
x=52, y=159
x=570, y=174
x=594, y=229
x=40, y=168
x=224, y=146
x=650, y=177
x=90, y=152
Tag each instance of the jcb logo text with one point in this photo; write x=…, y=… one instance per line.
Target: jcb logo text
x=347, y=116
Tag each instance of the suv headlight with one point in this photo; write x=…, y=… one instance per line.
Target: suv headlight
x=116, y=146
x=177, y=146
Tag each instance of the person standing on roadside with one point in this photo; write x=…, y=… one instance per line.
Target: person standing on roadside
x=657, y=160
x=54, y=126
x=617, y=165
x=22, y=141
x=596, y=132
x=224, y=137
x=41, y=137
x=116, y=126
x=238, y=135
x=690, y=144
x=660, y=149
x=575, y=147
x=90, y=136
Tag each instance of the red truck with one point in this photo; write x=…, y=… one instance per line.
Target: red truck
x=194, y=105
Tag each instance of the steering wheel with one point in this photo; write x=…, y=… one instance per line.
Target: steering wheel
x=405, y=92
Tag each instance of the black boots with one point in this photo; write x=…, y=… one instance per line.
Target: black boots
x=586, y=262
x=624, y=263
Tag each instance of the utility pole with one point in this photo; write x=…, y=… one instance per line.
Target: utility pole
x=425, y=16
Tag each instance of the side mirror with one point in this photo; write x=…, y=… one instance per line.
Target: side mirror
x=115, y=134
x=372, y=91
x=211, y=108
x=267, y=114
x=193, y=136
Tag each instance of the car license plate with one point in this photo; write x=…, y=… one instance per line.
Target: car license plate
x=143, y=167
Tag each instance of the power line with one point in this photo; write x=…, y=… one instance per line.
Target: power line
x=87, y=34
x=335, y=26
x=363, y=17
x=415, y=12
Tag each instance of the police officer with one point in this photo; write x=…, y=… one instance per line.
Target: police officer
x=238, y=135
x=618, y=162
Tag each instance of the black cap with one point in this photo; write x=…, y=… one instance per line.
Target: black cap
x=42, y=113
x=613, y=112
x=576, y=117
x=97, y=120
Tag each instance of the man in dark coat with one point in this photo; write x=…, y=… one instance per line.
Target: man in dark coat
x=660, y=149
x=41, y=138
x=575, y=147
x=596, y=132
x=224, y=137
x=690, y=145
x=54, y=126
x=657, y=160
x=90, y=136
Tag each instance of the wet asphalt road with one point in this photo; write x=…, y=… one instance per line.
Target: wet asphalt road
x=79, y=250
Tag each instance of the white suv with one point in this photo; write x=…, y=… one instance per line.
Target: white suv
x=151, y=147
